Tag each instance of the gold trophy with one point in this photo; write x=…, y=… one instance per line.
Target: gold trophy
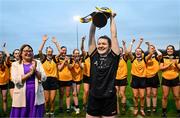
x=99, y=17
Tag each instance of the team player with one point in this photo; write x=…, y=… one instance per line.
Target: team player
x=102, y=101
x=138, y=82
x=77, y=74
x=65, y=79
x=152, y=79
x=4, y=77
x=170, y=66
x=121, y=79
x=86, y=74
x=50, y=67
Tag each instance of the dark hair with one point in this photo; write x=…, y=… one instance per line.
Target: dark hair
x=140, y=49
x=49, y=47
x=75, y=50
x=14, y=51
x=121, y=48
x=172, y=48
x=107, y=38
x=63, y=47
x=21, y=49
x=2, y=61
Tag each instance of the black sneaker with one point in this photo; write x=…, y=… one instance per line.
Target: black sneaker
x=164, y=115
x=61, y=110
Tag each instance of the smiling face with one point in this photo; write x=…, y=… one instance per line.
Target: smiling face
x=170, y=50
x=76, y=53
x=138, y=52
x=49, y=52
x=16, y=54
x=27, y=53
x=103, y=46
x=63, y=51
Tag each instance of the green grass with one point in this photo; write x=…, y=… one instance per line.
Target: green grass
x=171, y=109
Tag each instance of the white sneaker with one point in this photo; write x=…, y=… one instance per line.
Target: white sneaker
x=51, y=115
x=77, y=110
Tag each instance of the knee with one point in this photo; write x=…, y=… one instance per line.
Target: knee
x=61, y=93
x=165, y=97
x=4, y=99
x=122, y=95
x=176, y=98
x=155, y=95
x=148, y=95
x=74, y=94
x=67, y=95
x=142, y=97
x=136, y=97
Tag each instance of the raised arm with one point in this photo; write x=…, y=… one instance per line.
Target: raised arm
x=130, y=46
x=7, y=54
x=140, y=42
x=92, y=41
x=114, y=40
x=82, y=47
x=125, y=50
x=44, y=39
x=124, y=47
x=129, y=50
x=54, y=40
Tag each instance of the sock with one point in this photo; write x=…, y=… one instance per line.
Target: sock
x=164, y=110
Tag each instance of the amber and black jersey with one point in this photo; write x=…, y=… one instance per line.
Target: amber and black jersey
x=152, y=66
x=50, y=67
x=86, y=70
x=138, y=66
x=64, y=74
x=122, y=69
x=103, y=73
x=171, y=72
x=4, y=73
x=77, y=72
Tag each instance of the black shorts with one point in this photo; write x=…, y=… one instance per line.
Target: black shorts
x=51, y=83
x=86, y=79
x=153, y=82
x=65, y=83
x=4, y=87
x=102, y=107
x=77, y=82
x=11, y=84
x=138, y=82
x=122, y=82
x=171, y=83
